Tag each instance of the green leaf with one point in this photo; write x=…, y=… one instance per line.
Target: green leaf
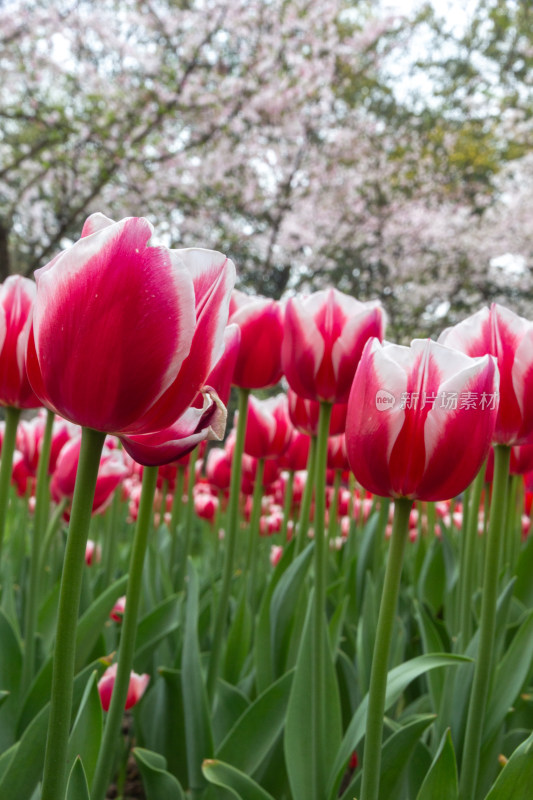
x=510, y=676
x=432, y=582
x=365, y=557
x=77, y=788
x=158, y=783
x=162, y=724
x=239, y=784
x=25, y=769
x=433, y=643
x=86, y=732
x=254, y=734
x=10, y=672
x=516, y=778
x=397, y=681
x=441, y=781
x=93, y=620
x=238, y=641
x=282, y=607
x=231, y=704
x=262, y=652
x=153, y=628
x=298, y=724
x=197, y=719
x=397, y=750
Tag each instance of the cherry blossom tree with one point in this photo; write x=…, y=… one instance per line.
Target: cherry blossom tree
x=273, y=130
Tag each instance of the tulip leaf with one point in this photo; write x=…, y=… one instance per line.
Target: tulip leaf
x=93, y=620
x=510, y=676
x=298, y=725
x=161, y=722
x=397, y=681
x=252, y=737
x=153, y=628
x=516, y=778
x=282, y=610
x=10, y=671
x=238, y=641
x=86, y=732
x=231, y=704
x=440, y=782
x=197, y=720
x=77, y=788
x=3, y=696
x=397, y=750
x=6, y=758
x=157, y=782
x=262, y=651
x=25, y=769
x=237, y=783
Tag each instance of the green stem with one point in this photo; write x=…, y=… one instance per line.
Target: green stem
x=287, y=507
x=189, y=519
x=232, y=521
x=483, y=666
x=380, y=658
x=6, y=464
x=113, y=722
x=334, y=506
x=305, y=508
x=175, y=516
x=55, y=764
x=253, y=532
x=318, y=700
x=111, y=538
x=40, y=521
x=467, y=569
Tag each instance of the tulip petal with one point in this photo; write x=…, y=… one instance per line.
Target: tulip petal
x=194, y=426
x=213, y=276
x=113, y=322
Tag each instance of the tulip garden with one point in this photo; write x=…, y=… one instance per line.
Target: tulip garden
x=330, y=596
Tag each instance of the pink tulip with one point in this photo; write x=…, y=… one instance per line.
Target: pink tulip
x=297, y=453
x=124, y=334
x=420, y=419
x=503, y=334
x=93, y=553
x=218, y=468
x=111, y=473
x=206, y=505
x=136, y=689
x=117, y=612
x=261, y=324
x=268, y=428
x=324, y=337
x=195, y=425
x=17, y=295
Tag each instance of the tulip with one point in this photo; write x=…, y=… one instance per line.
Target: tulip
x=260, y=321
x=111, y=472
x=410, y=412
x=123, y=337
x=268, y=428
x=17, y=295
x=324, y=337
x=509, y=338
x=136, y=689
x=124, y=334
x=93, y=553
x=117, y=612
